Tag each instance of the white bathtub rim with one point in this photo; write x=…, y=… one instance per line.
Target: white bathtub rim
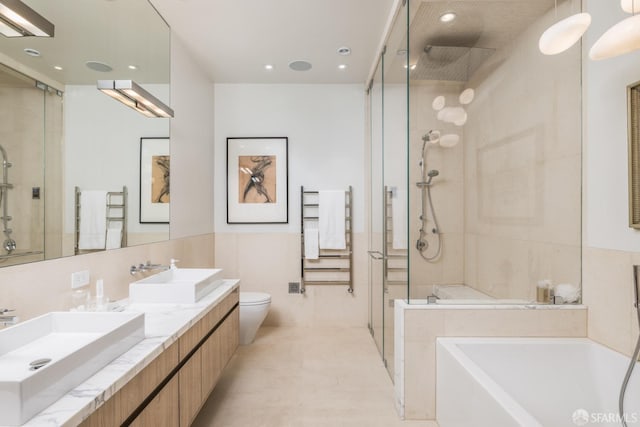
x=504, y=399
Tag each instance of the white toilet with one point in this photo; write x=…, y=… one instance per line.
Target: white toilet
x=254, y=307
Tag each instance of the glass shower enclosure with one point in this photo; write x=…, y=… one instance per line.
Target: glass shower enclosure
x=475, y=159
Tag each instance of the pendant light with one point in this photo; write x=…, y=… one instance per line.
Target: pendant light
x=563, y=34
x=623, y=37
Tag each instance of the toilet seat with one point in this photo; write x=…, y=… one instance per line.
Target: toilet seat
x=254, y=298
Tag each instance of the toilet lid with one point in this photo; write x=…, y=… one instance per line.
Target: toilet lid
x=254, y=298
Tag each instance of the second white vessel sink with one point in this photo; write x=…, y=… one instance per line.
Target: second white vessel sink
x=181, y=286
x=43, y=358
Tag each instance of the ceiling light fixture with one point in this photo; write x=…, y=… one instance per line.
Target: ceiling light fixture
x=448, y=17
x=564, y=34
x=268, y=67
x=342, y=66
x=132, y=67
x=134, y=96
x=344, y=50
x=19, y=20
x=57, y=67
x=621, y=38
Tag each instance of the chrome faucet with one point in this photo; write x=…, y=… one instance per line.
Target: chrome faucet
x=147, y=267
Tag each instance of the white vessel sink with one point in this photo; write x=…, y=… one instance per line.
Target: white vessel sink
x=181, y=286
x=69, y=347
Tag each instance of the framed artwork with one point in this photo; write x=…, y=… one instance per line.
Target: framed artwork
x=257, y=180
x=154, y=180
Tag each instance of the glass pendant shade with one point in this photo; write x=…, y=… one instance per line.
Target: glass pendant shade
x=630, y=6
x=564, y=34
x=624, y=37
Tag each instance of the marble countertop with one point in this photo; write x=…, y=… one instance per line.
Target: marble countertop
x=164, y=324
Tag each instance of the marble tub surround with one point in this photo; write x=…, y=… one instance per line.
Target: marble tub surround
x=164, y=324
x=418, y=326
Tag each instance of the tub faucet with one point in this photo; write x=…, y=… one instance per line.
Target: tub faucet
x=7, y=320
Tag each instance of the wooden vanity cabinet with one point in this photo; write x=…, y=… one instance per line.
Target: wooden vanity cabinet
x=171, y=390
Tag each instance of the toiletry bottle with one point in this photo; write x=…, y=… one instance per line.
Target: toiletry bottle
x=543, y=291
x=99, y=295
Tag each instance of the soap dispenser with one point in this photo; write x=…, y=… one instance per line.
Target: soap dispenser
x=172, y=264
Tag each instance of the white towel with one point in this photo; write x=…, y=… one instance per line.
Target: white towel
x=114, y=235
x=93, y=219
x=331, y=213
x=311, y=248
x=399, y=218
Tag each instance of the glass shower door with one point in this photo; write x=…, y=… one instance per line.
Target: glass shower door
x=376, y=214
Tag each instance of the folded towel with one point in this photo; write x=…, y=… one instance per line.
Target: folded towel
x=331, y=221
x=93, y=219
x=399, y=218
x=311, y=248
x=114, y=235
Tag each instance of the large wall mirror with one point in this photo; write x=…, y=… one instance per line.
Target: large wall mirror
x=64, y=143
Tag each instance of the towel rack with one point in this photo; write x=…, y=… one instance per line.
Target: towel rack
x=337, y=264
x=116, y=206
x=395, y=261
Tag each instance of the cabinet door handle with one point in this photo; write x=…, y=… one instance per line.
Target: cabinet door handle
x=376, y=255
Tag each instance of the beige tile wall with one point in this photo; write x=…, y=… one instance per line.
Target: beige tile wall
x=608, y=292
x=267, y=262
x=523, y=170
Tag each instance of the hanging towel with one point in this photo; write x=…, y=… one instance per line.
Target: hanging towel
x=399, y=218
x=114, y=235
x=93, y=219
x=331, y=227
x=311, y=248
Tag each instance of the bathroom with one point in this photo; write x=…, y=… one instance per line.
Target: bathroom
x=267, y=257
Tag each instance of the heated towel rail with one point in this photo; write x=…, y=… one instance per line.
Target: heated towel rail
x=395, y=261
x=116, y=206
x=333, y=267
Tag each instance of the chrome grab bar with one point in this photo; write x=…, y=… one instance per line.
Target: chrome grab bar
x=377, y=255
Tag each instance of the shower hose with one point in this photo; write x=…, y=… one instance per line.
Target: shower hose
x=632, y=363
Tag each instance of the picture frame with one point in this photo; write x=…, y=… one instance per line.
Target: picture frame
x=257, y=180
x=154, y=180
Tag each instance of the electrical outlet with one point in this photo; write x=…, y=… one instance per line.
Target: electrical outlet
x=80, y=279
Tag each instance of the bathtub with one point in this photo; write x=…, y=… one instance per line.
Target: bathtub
x=531, y=382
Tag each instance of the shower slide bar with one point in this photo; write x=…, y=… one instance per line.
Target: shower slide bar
x=339, y=262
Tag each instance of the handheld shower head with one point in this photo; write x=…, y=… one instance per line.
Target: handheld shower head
x=432, y=174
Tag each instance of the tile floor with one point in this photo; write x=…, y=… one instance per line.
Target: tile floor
x=305, y=377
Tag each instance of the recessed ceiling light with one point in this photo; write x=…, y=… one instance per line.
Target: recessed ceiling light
x=447, y=17
x=342, y=66
x=31, y=52
x=300, y=65
x=401, y=52
x=57, y=67
x=344, y=50
x=132, y=67
x=268, y=67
